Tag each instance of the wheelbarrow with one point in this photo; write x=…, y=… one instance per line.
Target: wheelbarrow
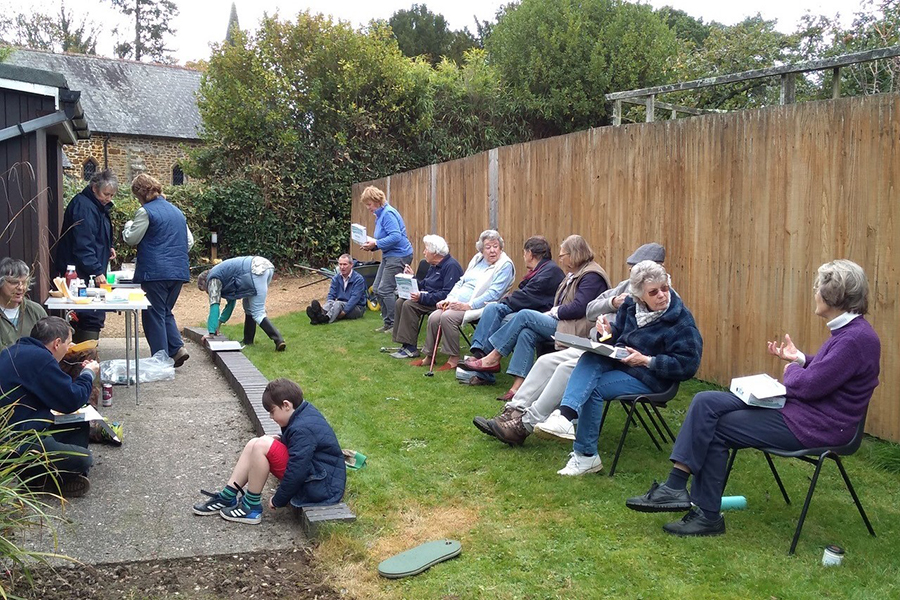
x=367, y=269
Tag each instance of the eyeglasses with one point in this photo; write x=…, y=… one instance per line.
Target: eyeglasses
x=18, y=283
x=662, y=289
x=561, y=254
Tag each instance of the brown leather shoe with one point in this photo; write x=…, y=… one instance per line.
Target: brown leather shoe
x=507, y=396
x=509, y=413
x=422, y=362
x=446, y=367
x=180, y=356
x=475, y=380
x=512, y=431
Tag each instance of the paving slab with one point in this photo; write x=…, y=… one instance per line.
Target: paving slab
x=186, y=434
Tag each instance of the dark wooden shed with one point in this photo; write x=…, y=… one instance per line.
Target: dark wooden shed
x=38, y=115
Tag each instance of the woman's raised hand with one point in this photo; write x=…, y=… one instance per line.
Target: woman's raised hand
x=785, y=350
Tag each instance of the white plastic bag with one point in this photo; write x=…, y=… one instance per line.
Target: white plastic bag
x=159, y=367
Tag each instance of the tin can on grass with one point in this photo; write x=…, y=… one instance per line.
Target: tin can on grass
x=832, y=556
x=107, y=395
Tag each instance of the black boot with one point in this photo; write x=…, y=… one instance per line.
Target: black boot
x=249, y=330
x=273, y=334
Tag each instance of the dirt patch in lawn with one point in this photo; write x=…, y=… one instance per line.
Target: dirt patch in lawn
x=265, y=575
x=287, y=294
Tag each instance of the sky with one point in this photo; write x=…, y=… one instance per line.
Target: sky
x=202, y=22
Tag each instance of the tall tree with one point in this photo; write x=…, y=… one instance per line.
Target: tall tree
x=151, y=28
x=56, y=33
x=420, y=32
x=562, y=56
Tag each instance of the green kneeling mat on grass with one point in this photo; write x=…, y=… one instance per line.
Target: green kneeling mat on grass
x=418, y=559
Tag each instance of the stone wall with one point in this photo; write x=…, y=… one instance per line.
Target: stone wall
x=128, y=155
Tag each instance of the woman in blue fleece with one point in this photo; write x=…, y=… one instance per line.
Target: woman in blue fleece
x=396, y=251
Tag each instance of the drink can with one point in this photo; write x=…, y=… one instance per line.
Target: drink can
x=107, y=395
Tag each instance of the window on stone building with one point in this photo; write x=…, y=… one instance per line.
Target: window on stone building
x=177, y=175
x=88, y=169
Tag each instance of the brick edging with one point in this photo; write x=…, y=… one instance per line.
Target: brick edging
x=244, y=378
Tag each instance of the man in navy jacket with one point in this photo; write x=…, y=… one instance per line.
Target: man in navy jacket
x=346, y=296
x=86, y=242
x=32, y=380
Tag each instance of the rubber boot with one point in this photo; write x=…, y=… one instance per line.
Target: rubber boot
x=273, y=334
x=249, y=330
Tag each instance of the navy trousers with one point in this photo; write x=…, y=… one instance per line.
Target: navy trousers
x=715, y=423
x=158, y=321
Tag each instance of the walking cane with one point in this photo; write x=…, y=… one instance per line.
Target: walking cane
x=437, y=340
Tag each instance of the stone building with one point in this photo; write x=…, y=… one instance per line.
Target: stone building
x=143, y=116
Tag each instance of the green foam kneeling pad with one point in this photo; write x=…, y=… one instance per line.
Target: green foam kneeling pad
x=418, y=559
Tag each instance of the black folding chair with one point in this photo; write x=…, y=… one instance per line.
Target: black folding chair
x=814, y=456
x=651, y=404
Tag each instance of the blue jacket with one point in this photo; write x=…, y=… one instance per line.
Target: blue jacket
x=536, y=292
x=390, y=233
x=673, y=341
x=354, y=295
x=236, y=278
x=162, y=254
x=31, y=376
x=85, y=237
x=316, y=473
x=439, y=280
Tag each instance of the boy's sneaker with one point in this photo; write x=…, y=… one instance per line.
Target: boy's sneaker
x=243, y=514
x=214, y=505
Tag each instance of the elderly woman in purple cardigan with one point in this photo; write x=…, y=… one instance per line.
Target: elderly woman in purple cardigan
x=827, y=396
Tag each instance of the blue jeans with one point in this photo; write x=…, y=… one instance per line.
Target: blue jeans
x=491, y=320
x=160, y=327
x=255, y=306
x=594, y=380
x=520, y=337
x=385, y=285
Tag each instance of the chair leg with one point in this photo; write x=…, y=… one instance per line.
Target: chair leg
x=628, y=418
x=809, y=495
x=662, y=436
x=852, y=491
x=603, y=418
x=643, y=423
x=664, y=423
x=784, y=493
x=728, y=468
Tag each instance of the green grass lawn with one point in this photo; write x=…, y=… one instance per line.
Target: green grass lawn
x=527, y=532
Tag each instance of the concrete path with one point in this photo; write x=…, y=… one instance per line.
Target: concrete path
x=186, y=434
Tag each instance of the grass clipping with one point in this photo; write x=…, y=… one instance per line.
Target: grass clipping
x=355, y=570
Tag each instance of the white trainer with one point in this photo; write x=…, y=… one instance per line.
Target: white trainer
x=579, y=464
x=556, y=427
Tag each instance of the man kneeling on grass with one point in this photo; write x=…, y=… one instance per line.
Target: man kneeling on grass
x=306, y=458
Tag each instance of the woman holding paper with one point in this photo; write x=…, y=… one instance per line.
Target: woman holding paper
x=396, y=251
x=827, y=396
x=663, y=346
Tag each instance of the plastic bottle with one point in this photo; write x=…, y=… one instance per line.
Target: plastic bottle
x=70, y=276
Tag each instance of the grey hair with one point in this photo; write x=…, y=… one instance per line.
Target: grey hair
x=13, y=268
x=348, y=257
x=105, y=178
x=436, y=244
x=646, y=272
x=489, y=234
x=843, y=285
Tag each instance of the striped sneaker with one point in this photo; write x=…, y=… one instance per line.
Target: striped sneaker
x=214, y=505
x=243, y=514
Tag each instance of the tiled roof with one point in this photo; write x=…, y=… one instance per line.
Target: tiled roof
x=126, y=97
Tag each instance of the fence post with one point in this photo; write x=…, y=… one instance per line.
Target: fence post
x=433, y=193
x=651, y=108
x=836, y=83
x=617, y=113
x=494, y=186
x=788, y=81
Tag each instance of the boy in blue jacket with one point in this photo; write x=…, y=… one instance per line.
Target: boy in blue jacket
x=306, y=458
x=32, y=380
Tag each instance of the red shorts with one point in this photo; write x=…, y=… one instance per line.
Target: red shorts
x=278, y=459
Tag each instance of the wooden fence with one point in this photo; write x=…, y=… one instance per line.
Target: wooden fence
x=748, y=205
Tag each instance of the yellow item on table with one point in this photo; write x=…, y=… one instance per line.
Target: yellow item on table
x=82, y=346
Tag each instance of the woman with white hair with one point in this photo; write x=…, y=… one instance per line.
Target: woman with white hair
x=18, y=314
x=443, y=273
x=827, y=396
x=488, y=276
x=663, y=344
